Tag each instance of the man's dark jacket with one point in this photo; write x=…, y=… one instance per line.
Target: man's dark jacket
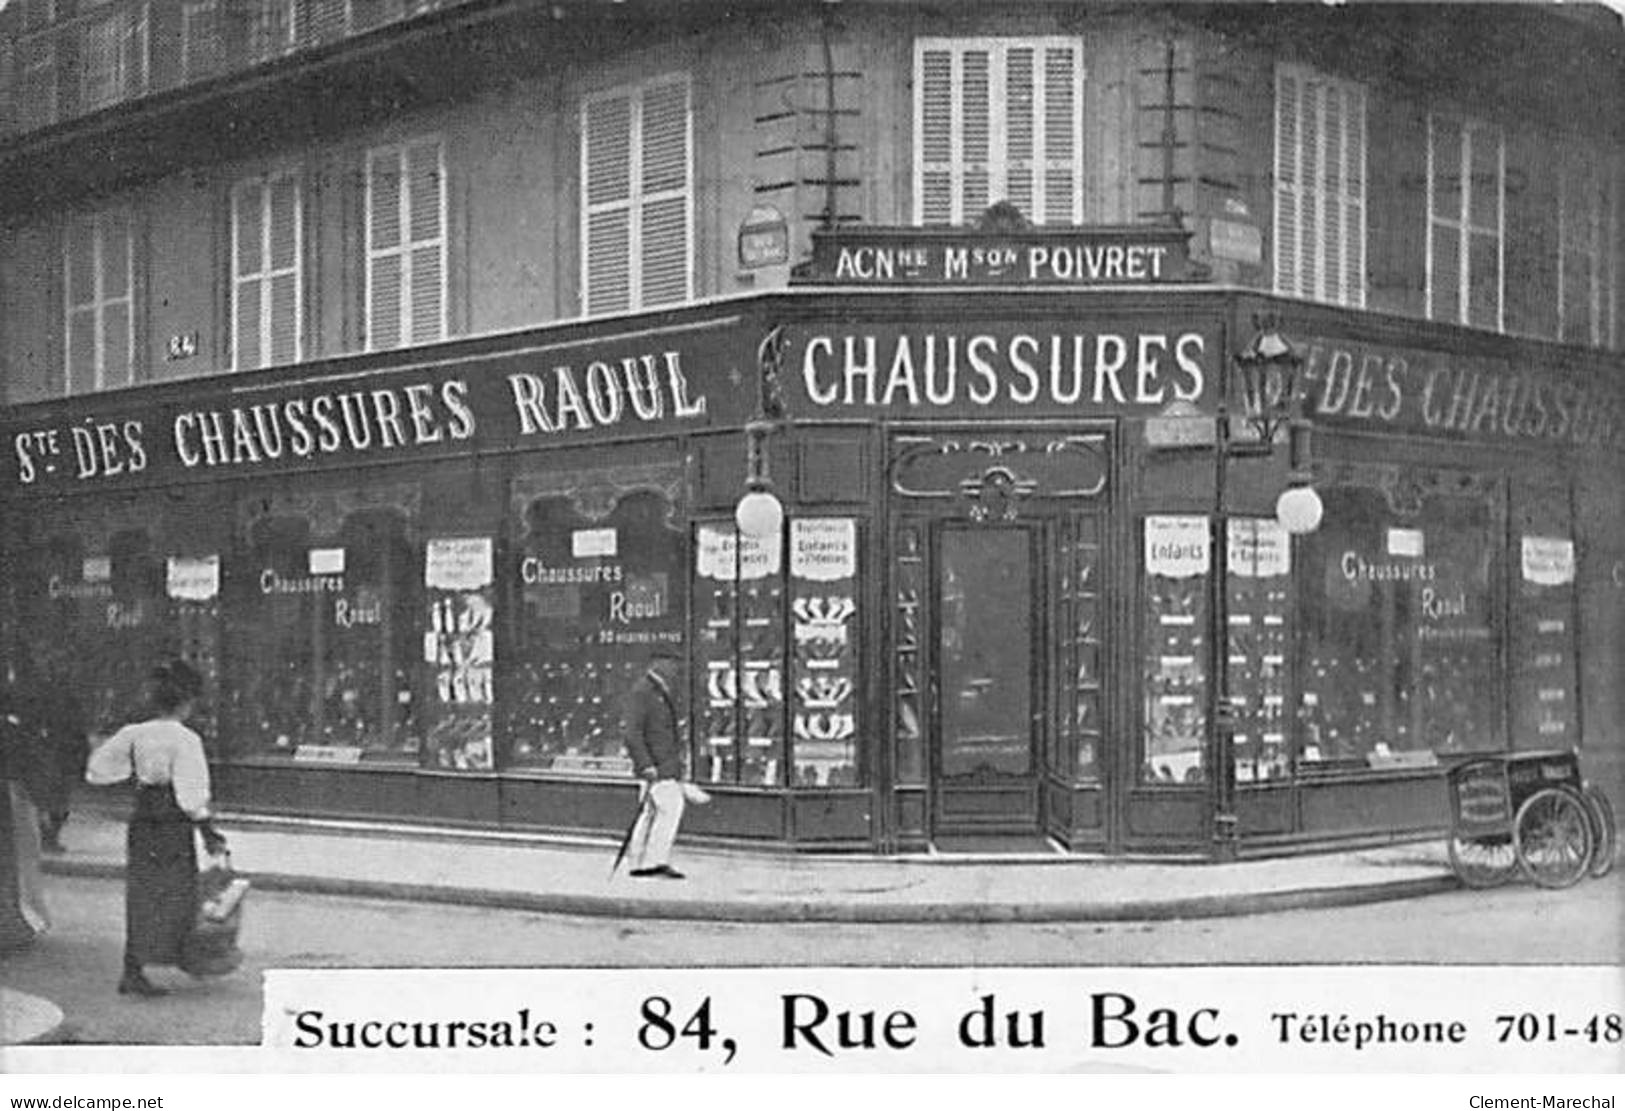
x=649, y=726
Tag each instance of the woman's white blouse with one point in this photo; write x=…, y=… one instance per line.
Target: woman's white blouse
x=156, y=752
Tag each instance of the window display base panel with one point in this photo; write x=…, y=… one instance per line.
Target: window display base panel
x=826, y=820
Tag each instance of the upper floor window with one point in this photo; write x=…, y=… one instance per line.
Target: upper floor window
x=273, y=28
x=113, y=57
x=406, y=244
x=998, y=120
x=98, y=300
x=267, y=279
x=1466, y=222
x=202, y=43
x=1588, y=265
x=36, y=92
x=1319, y=187
x=637, y=203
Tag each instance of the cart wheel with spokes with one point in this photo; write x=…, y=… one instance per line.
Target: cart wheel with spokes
x=1552, y=833
x=1604, y=833
x=1483, y=862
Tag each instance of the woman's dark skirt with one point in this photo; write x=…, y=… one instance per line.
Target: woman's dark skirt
x=160, y=886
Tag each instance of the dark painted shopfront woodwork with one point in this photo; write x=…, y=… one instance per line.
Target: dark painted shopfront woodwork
x=419, y=584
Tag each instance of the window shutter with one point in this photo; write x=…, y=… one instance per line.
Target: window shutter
x=1319, y=187
x=425, y=196
x=934, y=202
x=998, y=119
x=1063, y=135
x=664, y=219
x=248, y=236
x=406, y=245
x=385, y=280
x=607, y=172
x=200, y=39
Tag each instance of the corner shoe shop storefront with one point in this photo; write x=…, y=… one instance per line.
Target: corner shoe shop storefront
x=419, y=584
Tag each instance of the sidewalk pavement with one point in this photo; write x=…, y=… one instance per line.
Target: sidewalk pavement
x=572, y=876
x=26, y=1019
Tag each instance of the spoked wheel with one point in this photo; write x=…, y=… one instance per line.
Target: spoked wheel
x=1553, y=836
x=1604, y=834
x=1488, y=862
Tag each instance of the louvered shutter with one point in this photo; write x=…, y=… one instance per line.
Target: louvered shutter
x=248, y=240
x=1320, y=146
x=664, y=180
x=998, y=119
x=201, y=53
x=935, y=190
x=607, y=176
x=425, y=196
x=636, y=167
x=406, y=245
x=1062, y=116
x=385, y=277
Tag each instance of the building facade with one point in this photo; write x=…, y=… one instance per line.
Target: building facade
x=393, y=361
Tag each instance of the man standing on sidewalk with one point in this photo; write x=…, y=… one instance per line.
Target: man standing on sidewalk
x=649, y=727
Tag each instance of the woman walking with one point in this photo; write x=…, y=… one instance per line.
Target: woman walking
x=171, y=799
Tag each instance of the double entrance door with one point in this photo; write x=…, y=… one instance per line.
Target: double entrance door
x=995, y=540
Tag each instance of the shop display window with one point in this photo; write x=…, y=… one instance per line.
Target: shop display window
x=1545, y=680
x=597, y=595
x=760, y=618
x=1177, y=568
x=1177, y=562
x=325, y=628
x=1399, y=636
x=96, y=620
x=459, y=650
x=1259, y=604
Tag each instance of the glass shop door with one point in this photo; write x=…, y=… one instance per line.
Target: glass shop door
x=988, y=640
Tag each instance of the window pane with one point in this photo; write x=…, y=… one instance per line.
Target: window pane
x=824, y=661
x=425, y=191
x=1260, y=564
x=249, y=211
x=1177, y=565
x=1399, y=639
x=738, y=659
x=284, y=319
x=1484, y=194
x=1484, y=293
x=665, y=252
x=1446, y=288
x=246, y=325
x=1446, y=169
x=116, y=345
x=428, y=293
x=665, y=137
x=115, y=243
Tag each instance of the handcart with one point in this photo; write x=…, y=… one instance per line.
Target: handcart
x=1528, y=812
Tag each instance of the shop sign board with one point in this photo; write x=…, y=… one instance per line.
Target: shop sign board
x=655, y=382
x=1436, y=393
x=1077, y=367
x=1548, y=561
x=193, y=580
x=1177, y=547
x=1134, y=254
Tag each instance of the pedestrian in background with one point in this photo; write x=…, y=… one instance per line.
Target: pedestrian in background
x=23, y=916
x=53, y=708
x=167, y=762
x=649, y=727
